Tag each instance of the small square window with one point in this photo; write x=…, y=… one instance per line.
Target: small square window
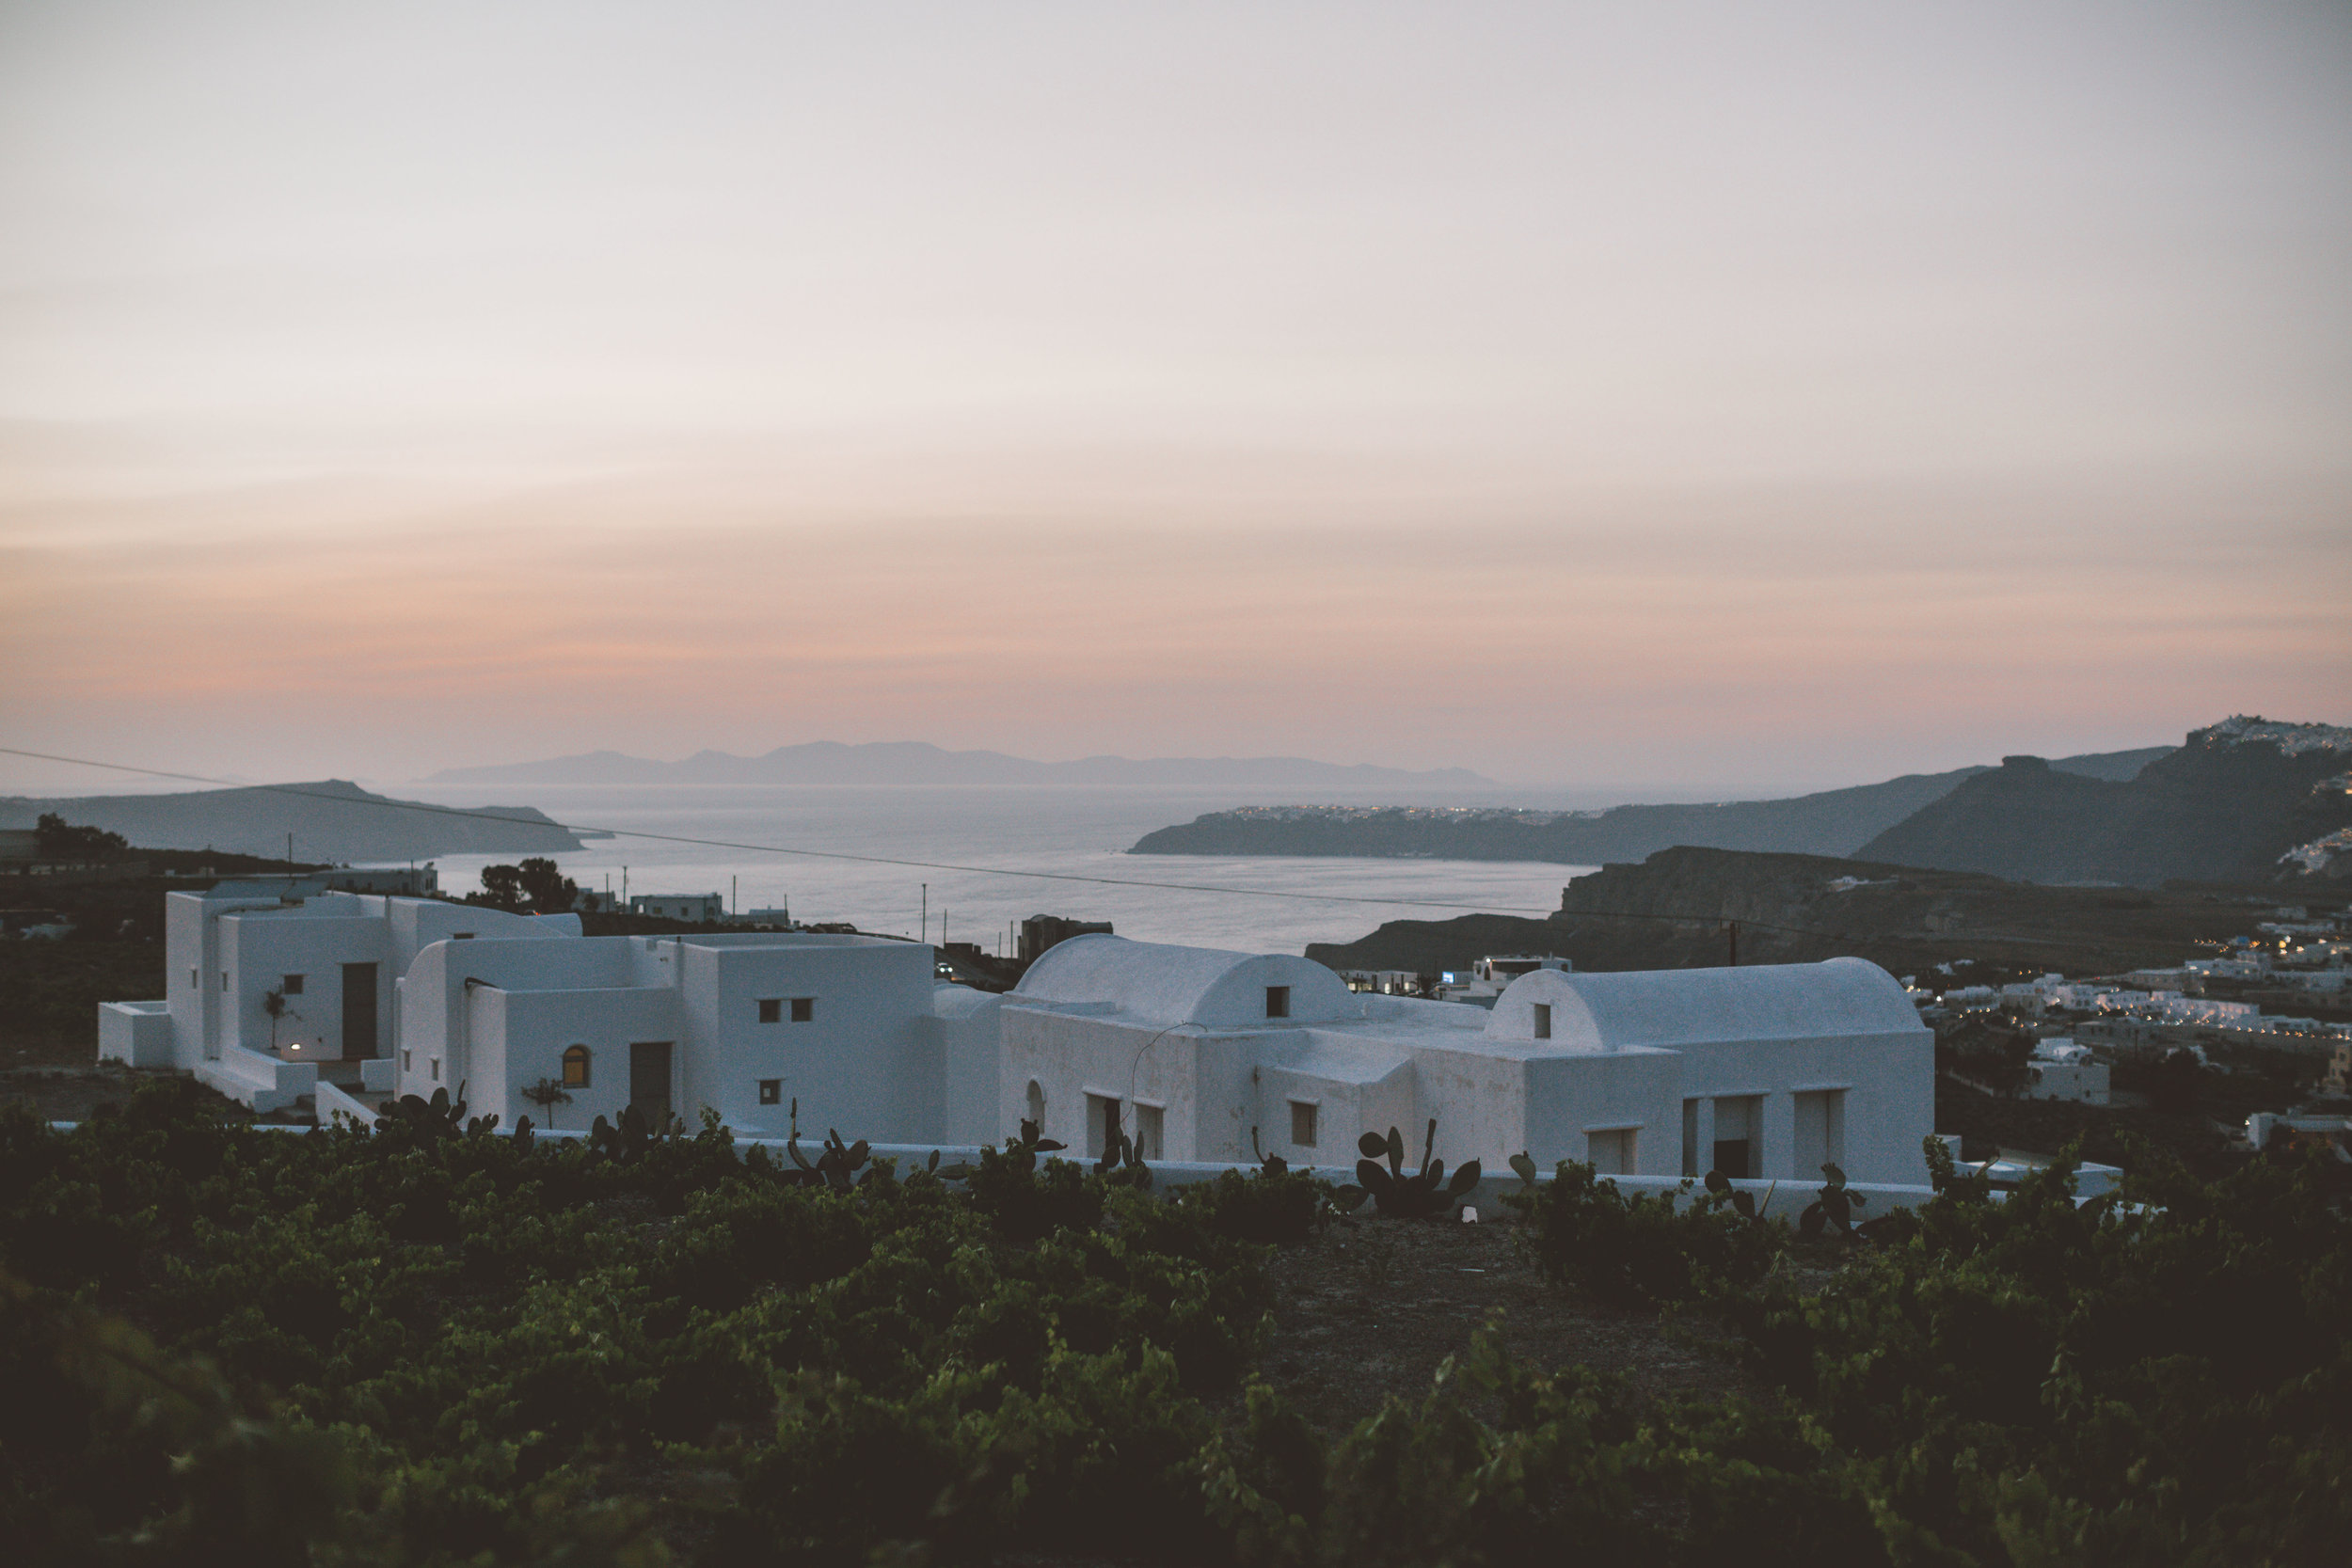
x=408, y=1061
x=1302, y=1124
x=803, y=1010
x=433, y=1065
x=1277, y=1002
x=461, y=936
x=294, y=985
x=771, y=1009
x=772, y=1091
x=224, y=979
x=1543, y=1021
x=194, y=978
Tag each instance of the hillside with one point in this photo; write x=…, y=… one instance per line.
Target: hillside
x=332, y=821
x=1670, y=910
x=2228, y=805
x=904, y=763
x=1832, y=822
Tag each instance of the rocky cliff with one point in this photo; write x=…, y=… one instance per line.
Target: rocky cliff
x=1832, y=822
x=2231, y=805
x=332, y=820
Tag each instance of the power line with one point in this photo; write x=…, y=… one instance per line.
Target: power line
x=774, y=848
x=484, y=815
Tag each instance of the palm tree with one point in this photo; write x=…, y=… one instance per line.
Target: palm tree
x=274, y=1004
x=548, y=1094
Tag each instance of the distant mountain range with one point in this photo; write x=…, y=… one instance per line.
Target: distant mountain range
x=2233, y=804
x=1833, y=822
x=828, y=761
x=332, y=821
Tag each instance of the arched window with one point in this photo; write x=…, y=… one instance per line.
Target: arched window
x=576, y=1068
x=1036, y=1104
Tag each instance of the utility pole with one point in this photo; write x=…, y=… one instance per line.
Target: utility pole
x=927, y=913
x=1731, y=930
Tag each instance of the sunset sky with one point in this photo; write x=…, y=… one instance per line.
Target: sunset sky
x=1712, y=399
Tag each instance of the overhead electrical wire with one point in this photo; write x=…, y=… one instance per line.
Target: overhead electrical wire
x=576, y=828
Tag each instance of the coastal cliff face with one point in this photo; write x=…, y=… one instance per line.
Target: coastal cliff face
x=1671, y=911
x=2230, y=805
x=332, y=820
x=1832, y=822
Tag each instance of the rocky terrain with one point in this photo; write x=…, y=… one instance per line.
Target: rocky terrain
x=1832, y=822
x=1675, y=910
x=332, y=819
x=2234, y=803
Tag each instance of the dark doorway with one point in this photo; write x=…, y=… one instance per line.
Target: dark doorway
x=1732, y=1157
x=649, y=1079
x=358, y=1011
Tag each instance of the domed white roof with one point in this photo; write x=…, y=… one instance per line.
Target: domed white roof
x=1162, y=983
x=1678, y=1006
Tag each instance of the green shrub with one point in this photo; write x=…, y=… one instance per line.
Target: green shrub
x=1646, y=1250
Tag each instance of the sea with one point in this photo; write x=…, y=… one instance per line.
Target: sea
x=988, y=859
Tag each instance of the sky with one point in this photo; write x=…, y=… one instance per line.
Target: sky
x=1706, y=399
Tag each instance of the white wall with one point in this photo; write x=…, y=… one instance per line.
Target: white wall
x=1571, y=1097
x=867, y=1061
x=520, y=1037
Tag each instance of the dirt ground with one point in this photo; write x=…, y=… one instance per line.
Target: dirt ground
x=1372, y=1307
x=69, y=1093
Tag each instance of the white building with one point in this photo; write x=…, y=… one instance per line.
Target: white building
x=330, y=961
x=1763, y=1071
x=699, y=908
x=426, y=994
x=2065, y=1070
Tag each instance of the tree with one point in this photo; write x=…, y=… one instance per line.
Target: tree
x=548, y=1094
x=2176, y=1083
x=535, y=885
x=62, y=842
x=550, y=891
x=274, y=1004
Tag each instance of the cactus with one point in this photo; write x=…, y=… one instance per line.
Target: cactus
x=1123, y=1162
x=436, y=1119
x=1832, y=1209
x=1270, y=1164
x=1719, y=1184
x=1426, y=1193
x=1523, y=1166
x=627, y=1140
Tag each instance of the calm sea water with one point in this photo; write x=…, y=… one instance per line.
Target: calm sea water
x=1072, y=832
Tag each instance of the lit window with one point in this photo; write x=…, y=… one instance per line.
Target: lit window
x=772, y=1010
x=576, y=1068
x=293, y=986
x=772, y=1091
x=804, y=1008
x=1277, y=1002
x=1302, y=1124
x=1543, y=1021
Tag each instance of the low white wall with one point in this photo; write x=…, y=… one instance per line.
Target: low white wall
x=263, y=1083
x=136, y=1033
x=331, y=1100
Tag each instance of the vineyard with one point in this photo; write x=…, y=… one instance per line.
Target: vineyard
x=437, y=1343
